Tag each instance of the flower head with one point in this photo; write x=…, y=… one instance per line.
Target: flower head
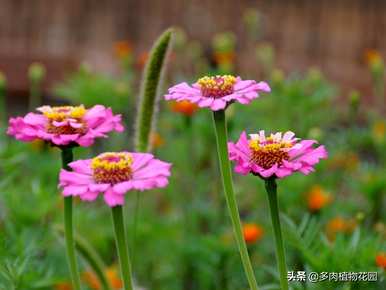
x=65, y=125
x=380, y=260
x=156, y=140
x=113, y=174
x=252, y=233
x=372, y=56
x=184, y=107
x=276, y=155
x=216, y=92
x=339, y=225
x=63, y=286
x=122, y=49
x=142, y=59
x=317, y=198
x=92, y=281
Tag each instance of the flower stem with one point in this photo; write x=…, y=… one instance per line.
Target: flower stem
x=123, y=252
x=67, y=157
x=271, y=187
x=222, y=148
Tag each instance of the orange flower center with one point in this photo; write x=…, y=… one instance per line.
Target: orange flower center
x=217, y=86
x=268, y=153
x=112, y=167
x=65, y=114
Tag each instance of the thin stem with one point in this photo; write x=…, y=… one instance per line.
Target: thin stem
x=222, y=148
x=67, y=157
x=121, y=243
x=84, y=248
x=271, y=187
x=135, y=227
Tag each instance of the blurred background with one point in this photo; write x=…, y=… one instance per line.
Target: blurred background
x=324, y=61
x=333, y=35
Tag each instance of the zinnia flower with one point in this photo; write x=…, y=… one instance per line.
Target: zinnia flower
x=339, y=225
x=114, y=174
x=217, y=92
x=317, y=198
x=112, y=276
x=156, y=140
x=63, y=286
x=277, y=155
x=122, y=49
x=184, y=107
x=380, y=260
x=252, y=233
x=65, y=125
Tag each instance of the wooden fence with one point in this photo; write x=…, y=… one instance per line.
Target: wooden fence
x=332, y=34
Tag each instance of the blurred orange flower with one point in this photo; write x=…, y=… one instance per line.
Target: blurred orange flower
x=184, y=107
x=317, y=198
x=224, y=57
x=252, y=233
x=113, y=277
x=339, y=225
x=122, y=49
x=92, y=281
x=372, y=56
x=380, y=260
x=63, y=286
x=348, y=161
x=142, y=59
x=156, y=140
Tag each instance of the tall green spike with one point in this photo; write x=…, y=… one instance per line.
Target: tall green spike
x=149, y=91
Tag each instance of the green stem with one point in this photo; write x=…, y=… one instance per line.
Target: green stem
x=271, y=187
x=67, y=157
x=121, y=243
x=222, y=148
x=90, y=255
x=135, y=227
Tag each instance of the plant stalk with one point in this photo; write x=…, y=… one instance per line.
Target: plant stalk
x=121, y=243
x=67, y=157
x=271, y=187
x=222, y=149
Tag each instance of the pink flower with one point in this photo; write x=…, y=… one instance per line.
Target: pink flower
x=65, y=125
x=277, y=155
x=217, y=92
x=113, y=174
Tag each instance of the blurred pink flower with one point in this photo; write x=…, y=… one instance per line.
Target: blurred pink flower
x=277, y=155
x=114, y=174
x=217, y=92
x=65, y=125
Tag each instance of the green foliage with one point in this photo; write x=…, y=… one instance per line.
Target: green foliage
x=90, y=88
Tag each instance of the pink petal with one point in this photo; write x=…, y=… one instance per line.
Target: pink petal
x=74, y=190
x=113, y=199
x=122, y=187
x=218, y=104
x=89, y=196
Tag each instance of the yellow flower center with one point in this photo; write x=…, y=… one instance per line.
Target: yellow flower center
x=268, y=153
x=217, y=86
x=61, y=113
x=74, y=114
x=111, y=167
